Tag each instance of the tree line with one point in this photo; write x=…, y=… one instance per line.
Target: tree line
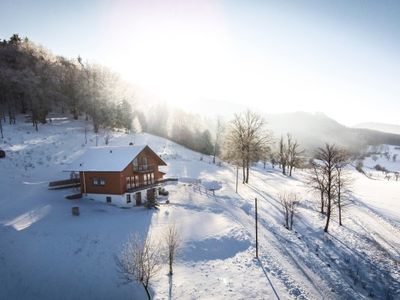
x=34, y=82
x=182, y=127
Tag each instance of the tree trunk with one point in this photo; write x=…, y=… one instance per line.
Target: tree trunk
x=9, y=116
x=95, y=126
x=1, y=128
x=23, y=106
x=170, y=266
x=286, y=218
x=147, y=291
x=322, y=202
x=75, y=113
x=247, y=172
x=291, y=219
x=328, y=213
x=244, y=172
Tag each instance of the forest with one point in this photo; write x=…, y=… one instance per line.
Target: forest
x=35, y=83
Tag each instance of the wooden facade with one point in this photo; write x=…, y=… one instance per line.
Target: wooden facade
x=140, y=173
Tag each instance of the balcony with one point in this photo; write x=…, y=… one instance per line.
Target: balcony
x=150, y=185
x=144, y=168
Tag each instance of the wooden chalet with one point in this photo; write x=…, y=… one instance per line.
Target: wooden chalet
x=125, y=176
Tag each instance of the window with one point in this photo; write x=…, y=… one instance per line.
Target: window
x=98, y=181
x=128, y=182
x=135, y=181
x=108, y=199
x=128, y=198
x=152, y=177
x=135, y=164
x=146, y=179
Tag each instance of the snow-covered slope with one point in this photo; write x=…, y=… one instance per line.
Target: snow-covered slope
x=390, y=128
x=46, y=253
x=387, y=156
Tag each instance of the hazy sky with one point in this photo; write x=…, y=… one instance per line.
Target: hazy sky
x=337, y=57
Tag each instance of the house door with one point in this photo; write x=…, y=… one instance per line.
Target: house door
x=138, y=197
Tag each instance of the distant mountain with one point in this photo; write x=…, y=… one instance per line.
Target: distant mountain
x=313, y=130
x=389, y=128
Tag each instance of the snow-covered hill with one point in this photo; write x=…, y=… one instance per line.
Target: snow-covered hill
x=390, y=128
x=46, y=253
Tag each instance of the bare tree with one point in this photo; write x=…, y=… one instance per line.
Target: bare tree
x=173, y=241
x=272, y=159
x=246, y=140
x=140, y=260
x=289, y=154
x=316, y=181
x=289, y=203
x=293, y=154
x=326, y=160
x=282, y=155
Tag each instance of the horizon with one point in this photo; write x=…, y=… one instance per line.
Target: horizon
x=314, y=57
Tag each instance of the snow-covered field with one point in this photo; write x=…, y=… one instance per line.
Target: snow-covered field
x=46, y=253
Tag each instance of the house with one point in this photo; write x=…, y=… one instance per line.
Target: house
x=124, y=176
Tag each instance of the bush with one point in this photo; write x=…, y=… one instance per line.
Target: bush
x=359, y=166
x=378, y=167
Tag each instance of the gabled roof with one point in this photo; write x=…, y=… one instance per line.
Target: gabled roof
x=107, y=159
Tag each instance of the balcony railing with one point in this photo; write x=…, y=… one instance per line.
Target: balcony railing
x=156, y=183
x=144, y=168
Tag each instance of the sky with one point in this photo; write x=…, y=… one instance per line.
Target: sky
x=338, y=57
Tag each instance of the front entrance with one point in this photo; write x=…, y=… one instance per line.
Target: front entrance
x=138, y=197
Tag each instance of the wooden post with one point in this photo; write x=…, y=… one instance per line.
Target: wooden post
x=75, y=211
x=84, y=183
x=256, y=217
x=237, y=176
x=1, y=127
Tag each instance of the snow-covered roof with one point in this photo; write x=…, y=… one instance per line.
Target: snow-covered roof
x=105, y=159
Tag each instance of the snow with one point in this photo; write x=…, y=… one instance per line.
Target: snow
x=111, y=158
x=46, y=253
x=391, y=161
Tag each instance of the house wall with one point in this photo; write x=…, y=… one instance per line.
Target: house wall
x=151, y=161
x=112, y=186
x=118, y=200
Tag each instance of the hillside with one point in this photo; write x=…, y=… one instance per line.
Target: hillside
x=313, y=129
x=46, y=253
x=389, y=128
